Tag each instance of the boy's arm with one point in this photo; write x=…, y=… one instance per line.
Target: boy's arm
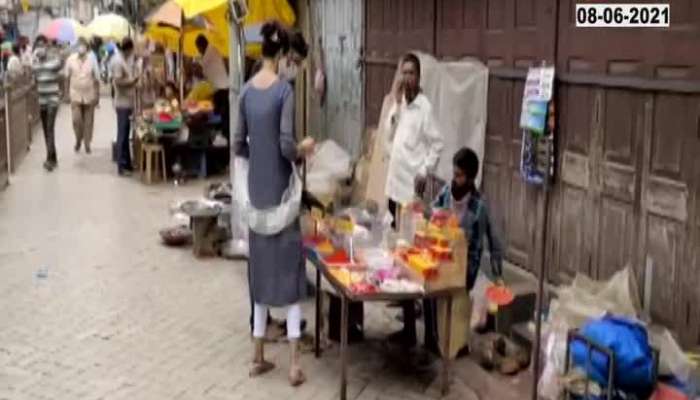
x=495, y=247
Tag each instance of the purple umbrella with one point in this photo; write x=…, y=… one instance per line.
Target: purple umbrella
x=64, y=30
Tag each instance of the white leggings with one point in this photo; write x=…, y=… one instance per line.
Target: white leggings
x=293, y=321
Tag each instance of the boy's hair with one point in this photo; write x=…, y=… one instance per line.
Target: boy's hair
x=466, y=160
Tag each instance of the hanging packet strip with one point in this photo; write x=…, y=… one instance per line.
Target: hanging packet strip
x=538, y=92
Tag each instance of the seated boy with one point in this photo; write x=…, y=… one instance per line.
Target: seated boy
x=462, y=197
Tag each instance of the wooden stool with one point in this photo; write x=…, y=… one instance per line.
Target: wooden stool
x=151, y=155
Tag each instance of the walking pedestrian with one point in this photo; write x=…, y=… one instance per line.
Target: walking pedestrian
x=265, y=135
x=47, y=72
x=83, y=83
x=124, y=79
x=14, y=64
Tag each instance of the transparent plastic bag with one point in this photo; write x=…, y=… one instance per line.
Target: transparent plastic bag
x=272, y=220
x=480, y=304
x=550, y=384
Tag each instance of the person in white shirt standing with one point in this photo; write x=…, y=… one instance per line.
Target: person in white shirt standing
x=215, y=71
x=414, y=145
x=83, y=83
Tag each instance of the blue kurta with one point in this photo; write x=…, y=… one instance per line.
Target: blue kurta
x=265, y=136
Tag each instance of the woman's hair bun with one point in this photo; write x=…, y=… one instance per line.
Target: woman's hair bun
x=275, y=39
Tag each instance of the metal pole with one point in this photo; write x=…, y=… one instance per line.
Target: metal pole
x=542, y=269
x=236, y=70
x=7, y=134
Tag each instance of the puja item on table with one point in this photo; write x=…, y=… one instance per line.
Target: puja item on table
x=201, y=106
x=166, y=111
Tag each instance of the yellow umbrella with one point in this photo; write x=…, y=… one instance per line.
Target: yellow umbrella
x=170, y=38
x=259, y=12
x=110, y=26
x=197, y=7
x=169, y=13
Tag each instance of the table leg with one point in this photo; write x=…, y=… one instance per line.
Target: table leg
x=344, y=348
x=446, y=349
x=317, y=337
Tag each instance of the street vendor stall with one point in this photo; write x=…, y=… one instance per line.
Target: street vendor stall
x=428, y=260
x=187, y=135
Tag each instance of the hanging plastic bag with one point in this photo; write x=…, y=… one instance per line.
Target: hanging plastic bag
x=239, y=219
x=478, y=296
x=272, y=220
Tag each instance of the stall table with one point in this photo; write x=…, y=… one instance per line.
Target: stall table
x=445, y=288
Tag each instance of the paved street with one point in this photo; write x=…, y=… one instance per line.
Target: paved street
x=119, y=316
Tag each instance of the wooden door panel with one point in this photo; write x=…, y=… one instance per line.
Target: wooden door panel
x=572, y=256
x=378, y=79
x=498, y=130
x=492, y=188
x=396, y=26
x=621, y=129
x=519, y=225
x=649, y=53
x=516, y=134
x=615, y=182
x=616, y=239
x=570, y=249
x=664, y=241
x=668, y=198
x=674, y=118
x=460, y=23
x=497, y=127
x=577, y=115
x=518, y=33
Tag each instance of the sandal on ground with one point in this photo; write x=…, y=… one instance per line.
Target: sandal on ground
x=296, y=377
x=260, y=368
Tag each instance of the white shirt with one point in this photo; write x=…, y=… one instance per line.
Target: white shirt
x=83, y=74
x=214, y=68
x=414, y=145
x=14, y=65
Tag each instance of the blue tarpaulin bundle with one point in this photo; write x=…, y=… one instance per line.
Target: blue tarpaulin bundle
x=634, y=360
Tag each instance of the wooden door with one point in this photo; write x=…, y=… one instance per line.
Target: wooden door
x=392, y=28
x=668, y=196
x=627, y=185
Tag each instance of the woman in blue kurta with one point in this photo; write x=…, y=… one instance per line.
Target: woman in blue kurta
x=265, y=136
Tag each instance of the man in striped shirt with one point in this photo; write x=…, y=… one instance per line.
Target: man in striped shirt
x=47, y=66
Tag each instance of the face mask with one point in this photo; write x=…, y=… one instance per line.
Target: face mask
x=82, y=49
x=288, y=70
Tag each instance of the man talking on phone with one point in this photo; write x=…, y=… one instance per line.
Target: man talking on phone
x=414, y=145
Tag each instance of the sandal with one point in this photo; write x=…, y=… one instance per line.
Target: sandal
x=260, y=368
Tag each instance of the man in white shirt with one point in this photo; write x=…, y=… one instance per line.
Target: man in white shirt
x=414, y=145
x=14, y=64
x=83, y=83
x=215, y=71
